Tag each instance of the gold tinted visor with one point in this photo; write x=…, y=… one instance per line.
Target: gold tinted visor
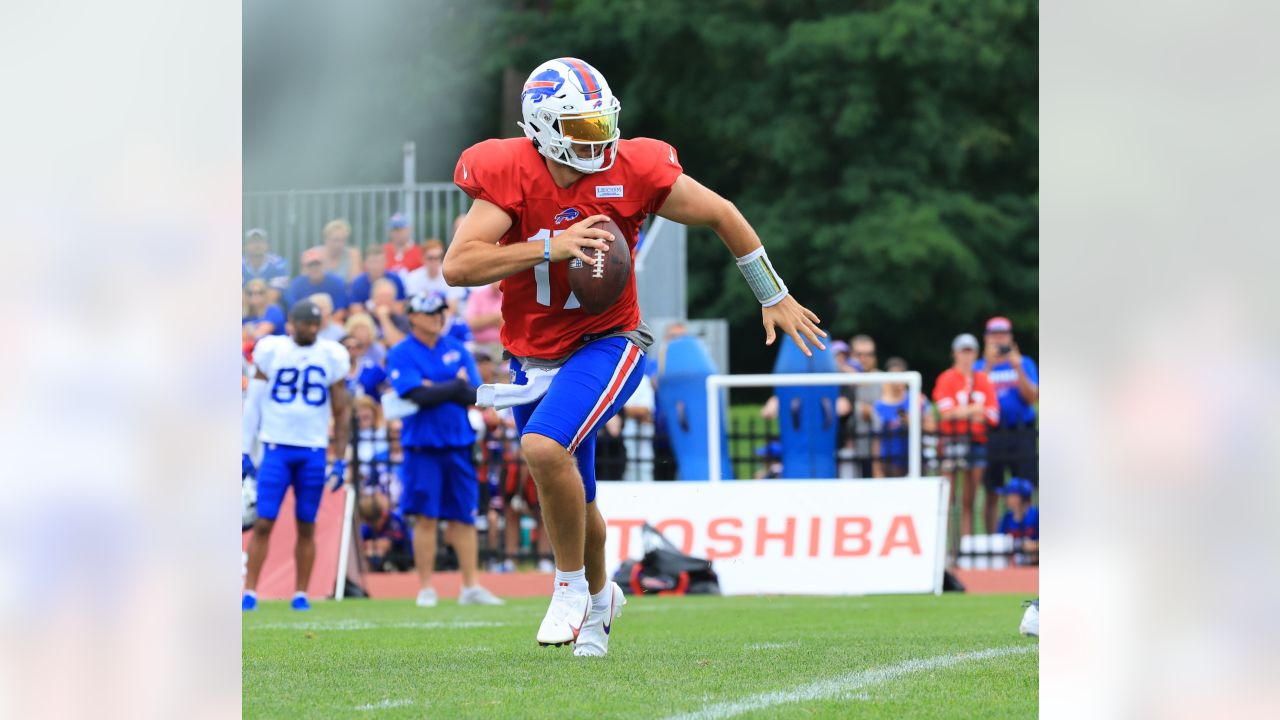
x=590, y=127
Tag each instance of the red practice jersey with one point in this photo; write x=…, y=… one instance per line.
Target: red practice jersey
x=540, y=317
x=953, y=390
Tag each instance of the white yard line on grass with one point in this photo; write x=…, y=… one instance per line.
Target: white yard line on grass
x=385, y=704
x=845, y=685
x=351, y=624
x=773, y=645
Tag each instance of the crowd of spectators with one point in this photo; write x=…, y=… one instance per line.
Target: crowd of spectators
x=978, y=416
x=978, y=424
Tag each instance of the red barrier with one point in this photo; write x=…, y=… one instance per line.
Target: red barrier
x=1023, y=580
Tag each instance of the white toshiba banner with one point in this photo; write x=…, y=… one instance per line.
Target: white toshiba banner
x=791, y=536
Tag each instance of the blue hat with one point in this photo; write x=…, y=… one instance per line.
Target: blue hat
x=1017, y=486
x=429, y=304
x=398, y=221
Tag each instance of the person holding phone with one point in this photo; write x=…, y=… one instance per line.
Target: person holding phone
x=1013, y=448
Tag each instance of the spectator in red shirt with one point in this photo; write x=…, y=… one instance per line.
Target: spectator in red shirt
x=966, y=403
x=402, y=255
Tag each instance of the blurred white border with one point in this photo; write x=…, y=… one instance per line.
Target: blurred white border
x=121, y=187
x=121, y=179
x=1158, y=491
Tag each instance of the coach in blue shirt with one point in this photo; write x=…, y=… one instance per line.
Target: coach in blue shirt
x=315, y=280
x=1013, y=445
x=438, y=374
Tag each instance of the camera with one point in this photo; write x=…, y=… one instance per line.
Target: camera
x=1004, y=349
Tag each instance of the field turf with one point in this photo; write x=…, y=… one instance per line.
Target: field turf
x=703, y=657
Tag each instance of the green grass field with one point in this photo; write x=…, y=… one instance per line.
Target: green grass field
x=703, y=657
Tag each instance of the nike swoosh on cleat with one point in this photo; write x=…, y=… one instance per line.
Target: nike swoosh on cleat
x=610, y=622
x=578, y=629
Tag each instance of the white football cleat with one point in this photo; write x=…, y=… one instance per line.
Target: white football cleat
x=478, y=596
x=593, y=641
x=1030, y=624
x=427, y=598
x=565, y=617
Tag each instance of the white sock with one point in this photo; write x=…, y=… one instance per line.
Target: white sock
x=577, y=580
x=299, y=594
x=600, y=601
x=252, y=593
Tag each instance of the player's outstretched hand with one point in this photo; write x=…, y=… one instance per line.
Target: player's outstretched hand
x=795, y=320
x=571, y=242
x=246, y=466
x=337, y=473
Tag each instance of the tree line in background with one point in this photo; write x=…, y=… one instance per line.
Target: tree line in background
x=886, y=152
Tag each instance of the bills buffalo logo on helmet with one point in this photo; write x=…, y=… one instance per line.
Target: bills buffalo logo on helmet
x=542, y=86
x=567, y=216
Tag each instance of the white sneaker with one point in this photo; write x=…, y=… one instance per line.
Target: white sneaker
x=478, y=596
x=427, y=598
x=1030, y=624
x=593, y=641
x=565, y=617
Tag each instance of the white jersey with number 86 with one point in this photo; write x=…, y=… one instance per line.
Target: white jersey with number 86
x=295, y=410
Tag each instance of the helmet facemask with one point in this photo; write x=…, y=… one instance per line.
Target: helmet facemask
x=585, y=141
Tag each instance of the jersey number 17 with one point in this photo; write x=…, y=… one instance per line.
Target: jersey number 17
x=542, y=274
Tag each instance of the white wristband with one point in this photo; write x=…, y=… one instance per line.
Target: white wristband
x=762, y=278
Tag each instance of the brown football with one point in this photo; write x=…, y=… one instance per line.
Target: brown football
x=598, y=285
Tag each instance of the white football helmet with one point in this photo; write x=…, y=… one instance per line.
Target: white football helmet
x=567, y=108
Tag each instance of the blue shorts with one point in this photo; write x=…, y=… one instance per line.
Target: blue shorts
x=590, y=388
x=440, y=483
x=285, y=465
x=964, y=453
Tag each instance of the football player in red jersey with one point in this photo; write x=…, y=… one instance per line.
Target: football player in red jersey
x=535, y=204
